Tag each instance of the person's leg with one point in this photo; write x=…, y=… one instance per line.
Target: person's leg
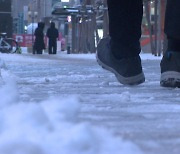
x=125, y=17
x=54, y=47
x=120, y=52
x=34, y=48
x=170, y=64
x=172, y=23
x=50, y=47
x=39, y=51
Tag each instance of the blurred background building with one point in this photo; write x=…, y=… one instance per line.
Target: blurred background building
x=20, y=17
x=6, y=17
x=27, y=12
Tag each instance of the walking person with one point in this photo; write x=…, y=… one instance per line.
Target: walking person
x=119, y=53
x=52, y=34
x=39, y=44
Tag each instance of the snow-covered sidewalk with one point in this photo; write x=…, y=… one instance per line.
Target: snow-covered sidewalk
x=67, y=104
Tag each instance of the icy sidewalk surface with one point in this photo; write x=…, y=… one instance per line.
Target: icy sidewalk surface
x=67, y=103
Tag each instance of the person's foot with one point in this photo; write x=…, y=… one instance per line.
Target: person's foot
x=170, y=70
x=127, y=71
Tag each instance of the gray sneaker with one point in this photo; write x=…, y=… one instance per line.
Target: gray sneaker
x=127, y=71
x=170, y=70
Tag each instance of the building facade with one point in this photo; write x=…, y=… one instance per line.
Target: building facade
x=25, y=12
x=5, y=17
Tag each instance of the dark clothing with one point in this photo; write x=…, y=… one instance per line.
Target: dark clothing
x=172, y=21
x=39, y=44
x=52, y=34
x=52, y=46
x=172, y=24
x=125, y=17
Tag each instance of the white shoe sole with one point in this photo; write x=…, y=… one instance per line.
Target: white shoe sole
x=170, y=79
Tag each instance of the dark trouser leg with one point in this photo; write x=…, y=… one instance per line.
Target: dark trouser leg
x=172, y=24
x=50, y=47
x=125, y=17
x=54, y=47
x=39, y=51
x=34, y=49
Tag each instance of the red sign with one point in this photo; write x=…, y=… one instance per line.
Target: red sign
x=25, y=40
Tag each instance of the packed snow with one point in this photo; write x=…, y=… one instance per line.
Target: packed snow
x=67, y=104
x=50, y=126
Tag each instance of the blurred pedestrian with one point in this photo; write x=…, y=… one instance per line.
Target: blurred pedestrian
x=119, y=53
x=39, y=44
x=52, y=34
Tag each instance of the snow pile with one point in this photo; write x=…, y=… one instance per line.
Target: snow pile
x=6, y=77
x=2, y=64
x=51, y=127
x=2, y=67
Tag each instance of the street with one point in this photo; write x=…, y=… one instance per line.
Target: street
x=147, y=115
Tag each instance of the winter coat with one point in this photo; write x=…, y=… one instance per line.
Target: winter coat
x=52, y=32
x=39, y=44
